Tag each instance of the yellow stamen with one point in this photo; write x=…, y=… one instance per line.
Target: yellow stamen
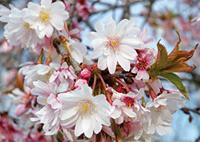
x=44, y=16
x=85, y=107
x=113, y=43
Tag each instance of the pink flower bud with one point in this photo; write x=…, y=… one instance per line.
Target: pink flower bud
x=85, y=73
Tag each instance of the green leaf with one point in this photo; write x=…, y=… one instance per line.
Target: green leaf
x=173, y=78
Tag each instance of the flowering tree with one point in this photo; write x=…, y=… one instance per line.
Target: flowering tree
x=113, y=89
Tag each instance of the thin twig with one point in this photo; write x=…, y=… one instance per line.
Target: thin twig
x=94, y=83
x=123, y=84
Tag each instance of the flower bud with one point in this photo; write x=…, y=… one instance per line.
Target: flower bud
x=85, y=73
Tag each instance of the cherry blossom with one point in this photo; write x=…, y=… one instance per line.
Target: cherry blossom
x=124, y=105
x=35, y=72
x=43, y=18
x=144, y=61
x=49, y=113
x=161, y=110
x=115, y=44
x=87, y=113
x=17, y=30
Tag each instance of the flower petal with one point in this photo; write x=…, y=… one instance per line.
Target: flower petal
x=124, y=63
x=111, y=63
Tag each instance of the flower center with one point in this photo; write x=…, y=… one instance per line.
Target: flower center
x=142, y=64
x=26, y=25
x=86, y=107
x=113, y=43
x=44, y=16
x=128, y=101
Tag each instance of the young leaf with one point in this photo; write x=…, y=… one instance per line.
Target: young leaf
x=174, y=62
x=162, y=56
x=173, y=78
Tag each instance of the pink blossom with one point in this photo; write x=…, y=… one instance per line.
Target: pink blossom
x=155, y=85
x=124, y=106
x=24, y=100
x=83, y=9
x=62, y=72
x=144, y=61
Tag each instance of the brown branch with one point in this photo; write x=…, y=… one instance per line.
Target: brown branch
x=188, y=110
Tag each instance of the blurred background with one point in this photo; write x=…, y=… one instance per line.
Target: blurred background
x=159, y=18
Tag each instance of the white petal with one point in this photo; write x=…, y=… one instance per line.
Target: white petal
x=87, y=126
x=34, y=7
x=142, y=75
x=110, y=27
x=129, y=112
x=99, y=27
x=98, y=43
x=58, y=22
x=134, y=70
x=102, y=63
x=4, y=13
x=163, y=130
x=63, y=87
x=111, y=63
x=70, y=122
x=121, y=27
x=85, y=91
x=95, y=35
x=124, y=63
x=97, y=53
x=67, y=113
x=78, y=51
x=53, y=77
x=97, y=126
x=131, y=41
x=102, y=118
x=46, y=3
x=119, y=120
x=48, y=30
x=42, y=100
x=116, y=113
x=78, y=128
x=42, y=69
x=77, y=56
x=128, y=52
x=69, y=97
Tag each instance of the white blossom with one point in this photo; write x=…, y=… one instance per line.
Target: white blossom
x=47, y=16
x=124, y=105
x=17, y=31
x=49, y=114
x=86, y=112
x=115, y=44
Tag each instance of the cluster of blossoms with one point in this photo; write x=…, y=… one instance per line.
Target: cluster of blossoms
x=105, y=95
